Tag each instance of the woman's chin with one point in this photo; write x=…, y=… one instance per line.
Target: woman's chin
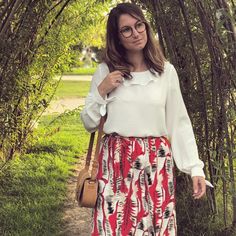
x=136, y=48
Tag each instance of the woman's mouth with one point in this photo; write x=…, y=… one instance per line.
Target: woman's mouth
x=137, y=41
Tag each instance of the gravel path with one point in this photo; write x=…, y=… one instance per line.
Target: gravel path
x=60, y=105
x=76, y=77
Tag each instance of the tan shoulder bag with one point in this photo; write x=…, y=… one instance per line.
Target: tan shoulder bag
x=87, y=184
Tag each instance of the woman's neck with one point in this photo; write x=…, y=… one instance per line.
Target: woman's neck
x=137, y=59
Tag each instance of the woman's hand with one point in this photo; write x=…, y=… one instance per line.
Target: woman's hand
x=111, y=81
x=199, y=186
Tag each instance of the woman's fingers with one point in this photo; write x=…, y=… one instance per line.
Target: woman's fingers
x=112, y=81
x=199, y=187
x=116, y=78
x=115, y=74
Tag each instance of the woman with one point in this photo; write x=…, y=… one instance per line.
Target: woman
x=147, y=128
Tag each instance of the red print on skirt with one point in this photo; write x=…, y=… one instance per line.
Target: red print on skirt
x=136, y=188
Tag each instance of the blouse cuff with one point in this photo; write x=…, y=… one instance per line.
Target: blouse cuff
x=103, y=102
x=197, y=171
x=99, y=99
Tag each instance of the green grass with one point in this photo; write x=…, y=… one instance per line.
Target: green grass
x=81, y=71
x=72, y=89
x=33, y=187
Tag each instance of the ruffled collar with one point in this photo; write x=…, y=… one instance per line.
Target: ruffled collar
x=141, y=78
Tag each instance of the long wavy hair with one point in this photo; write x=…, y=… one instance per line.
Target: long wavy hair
x=115, y=54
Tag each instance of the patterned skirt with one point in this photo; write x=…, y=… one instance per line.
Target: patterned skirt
x=136, y=188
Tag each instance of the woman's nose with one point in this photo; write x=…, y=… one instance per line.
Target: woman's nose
x=135, y=33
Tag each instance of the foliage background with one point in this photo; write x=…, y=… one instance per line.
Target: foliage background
x=41, y=39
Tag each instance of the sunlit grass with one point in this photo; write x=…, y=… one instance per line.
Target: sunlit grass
x=33, y=187
x=81, y=71
x=72, y=89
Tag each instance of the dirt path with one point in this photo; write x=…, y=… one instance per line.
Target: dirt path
x=75, y=77
x=77, y=220
x=60, y=105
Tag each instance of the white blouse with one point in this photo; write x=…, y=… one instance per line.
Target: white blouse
x=146, y=105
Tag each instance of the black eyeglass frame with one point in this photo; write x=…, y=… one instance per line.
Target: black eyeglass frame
x=132, y=31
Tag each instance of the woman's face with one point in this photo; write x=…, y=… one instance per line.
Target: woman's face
x=132, y=33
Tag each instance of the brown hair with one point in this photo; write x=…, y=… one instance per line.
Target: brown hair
x=115, y=54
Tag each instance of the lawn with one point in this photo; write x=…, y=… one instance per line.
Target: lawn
x=81, y=71
x=33, y=186
x=72, y=89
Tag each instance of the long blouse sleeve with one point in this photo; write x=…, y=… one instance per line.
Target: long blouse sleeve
x=95, y=104
x=180, y=130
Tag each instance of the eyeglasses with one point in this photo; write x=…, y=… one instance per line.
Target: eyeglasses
x=127, y=31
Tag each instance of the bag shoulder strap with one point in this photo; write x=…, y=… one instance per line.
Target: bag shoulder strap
x=90, y=149
x=97, y=149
